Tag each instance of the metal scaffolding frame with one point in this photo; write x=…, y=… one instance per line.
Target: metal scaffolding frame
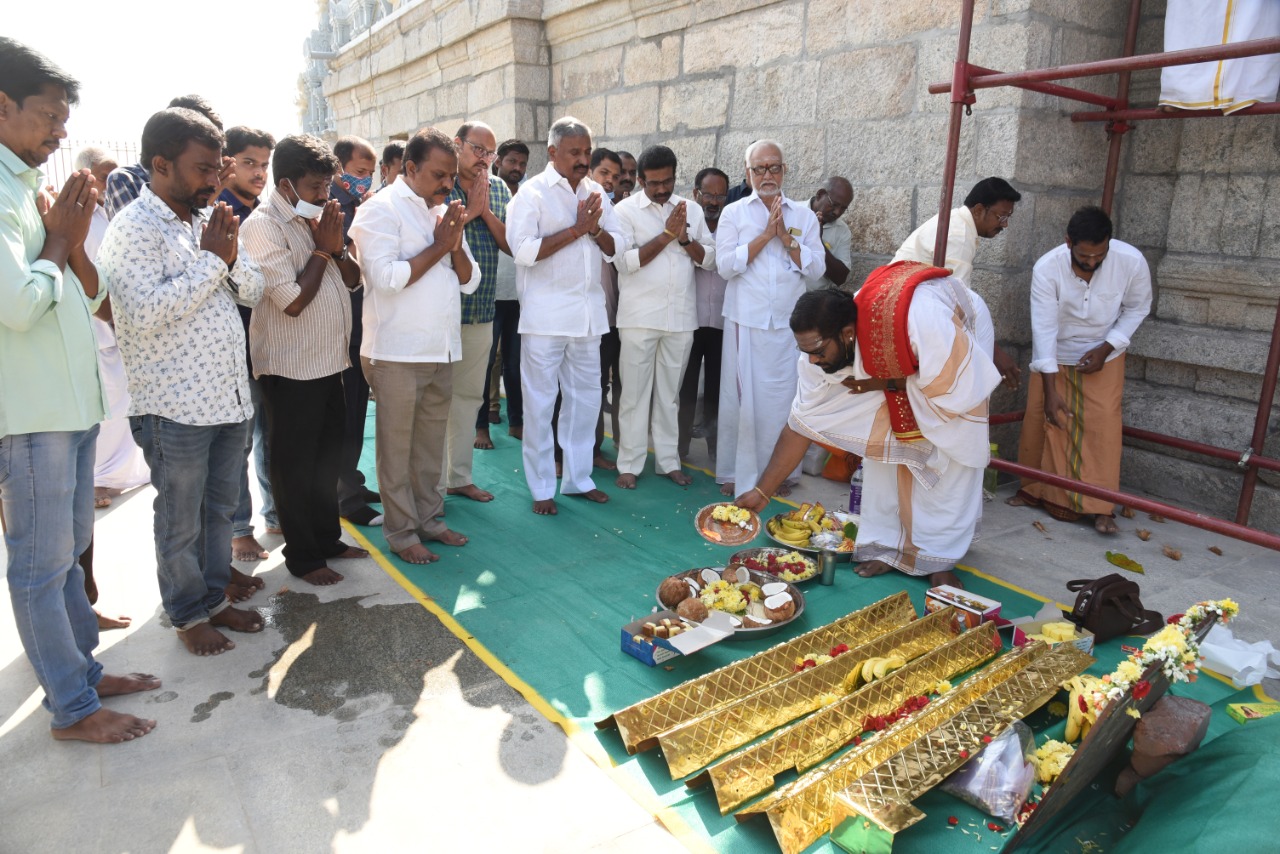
x=966, y=79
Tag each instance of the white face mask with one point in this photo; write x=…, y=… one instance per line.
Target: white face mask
x=304, y=209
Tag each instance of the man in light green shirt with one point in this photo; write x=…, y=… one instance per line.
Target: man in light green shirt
x=51, y=401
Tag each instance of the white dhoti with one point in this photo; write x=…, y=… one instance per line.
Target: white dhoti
x=118, y=461
x=652, y=364
x=921, y=500
x=758, y=381
x=1229, y=84
x=570, y=365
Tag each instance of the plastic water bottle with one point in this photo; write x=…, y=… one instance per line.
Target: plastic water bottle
x=855, y=491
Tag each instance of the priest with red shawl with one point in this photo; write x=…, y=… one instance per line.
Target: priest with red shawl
x=898, y=376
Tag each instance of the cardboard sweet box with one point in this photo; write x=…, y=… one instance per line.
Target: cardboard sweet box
x=972, y=610
x=653, y=650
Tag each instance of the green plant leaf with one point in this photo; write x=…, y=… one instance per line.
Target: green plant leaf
x=1125, y=562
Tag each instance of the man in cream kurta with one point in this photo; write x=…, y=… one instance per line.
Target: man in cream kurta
x=657, y=312
x=559, y=227
x=766, y=245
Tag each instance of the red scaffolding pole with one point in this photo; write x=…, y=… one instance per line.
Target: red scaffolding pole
x=965, y=79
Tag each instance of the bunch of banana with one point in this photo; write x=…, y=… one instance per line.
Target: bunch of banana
x=1081, y=714
x=796, y=527
x=871, y=670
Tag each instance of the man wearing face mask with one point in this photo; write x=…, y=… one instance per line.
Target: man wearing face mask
x=766, y=246
x=176, y=278
x=251, y=151
x=298, y=339
x=1088, y=298
x=710, y=188
x=350, y=188
x=416, y=265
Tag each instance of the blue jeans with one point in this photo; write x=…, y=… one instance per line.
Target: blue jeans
x=46, y=486
x=196, y=473
x=242, y=520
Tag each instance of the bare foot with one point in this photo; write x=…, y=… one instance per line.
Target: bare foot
x=600, y=461
x=1104, y=524
x=546, y=507
x=106, y=623
x=872, y=568
x=449, y=538
x=678, y=477
x=784, y=489
x=939, y=578
x=727, y=489
x=105, y=727
x=483, y=442
x=238, y=620
x=516, y=433
x=322, y=577
x=471, y=491
x=204, y=639
x=247, y=548
x=419, y=554
x=1020, y=500
x=352, y=552
x=596, y=495
x=238, y=593
x=101, y=497
x=626, y=481
x=130, y=683
x=246, y=580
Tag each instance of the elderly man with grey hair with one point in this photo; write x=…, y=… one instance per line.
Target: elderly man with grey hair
x=766, y=247
x=559, y=227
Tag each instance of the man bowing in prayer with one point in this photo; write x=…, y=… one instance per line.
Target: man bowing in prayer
x=897, y=377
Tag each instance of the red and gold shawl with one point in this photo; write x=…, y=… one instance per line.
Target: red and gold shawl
x=883, y=303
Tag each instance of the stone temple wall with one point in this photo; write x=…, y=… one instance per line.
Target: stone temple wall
x=842, y=85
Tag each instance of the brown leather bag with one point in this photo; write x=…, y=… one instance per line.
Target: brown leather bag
x=1110, y=607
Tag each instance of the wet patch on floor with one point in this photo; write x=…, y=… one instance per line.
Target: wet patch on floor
x=204, y=710
x=163, y=697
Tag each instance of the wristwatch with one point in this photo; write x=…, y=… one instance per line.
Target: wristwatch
x=684, y=242
x=340, y=256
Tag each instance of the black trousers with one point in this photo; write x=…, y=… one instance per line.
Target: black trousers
x=307, y=424
x=707, y=341
x=356, y=391
x=506, y=330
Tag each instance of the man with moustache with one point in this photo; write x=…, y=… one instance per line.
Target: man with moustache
x=1088, y=298
x=485, y=197
x=829, y=204
x=710, y=189
x=251, y=151
x=895, y=376
x=985, y=214
x=627, y=177
x=299, y=340
x=176, y=277
x=389, y=167
x=606, y=170
x=52, y=402
x=504, y=353
x=667, y=239
x=350, y=188
x=766, y=246
x=416, y=265
x=560, y=228
x=125, y=183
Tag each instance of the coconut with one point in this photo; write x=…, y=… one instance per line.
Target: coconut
x=736, y=574
x=780, y=607
x=673, y=591
x=692, y=609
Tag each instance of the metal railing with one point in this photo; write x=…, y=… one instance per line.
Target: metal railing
x=62, y=163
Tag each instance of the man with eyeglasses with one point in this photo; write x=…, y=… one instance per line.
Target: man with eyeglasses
x=657, y=313
x=766, y=246
x=1088, y=297
x=829, y=204
x=486, y=197
x=986, y=212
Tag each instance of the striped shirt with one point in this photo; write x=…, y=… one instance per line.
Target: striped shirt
x=478, y=307
x=123, y=186
x=313, y=344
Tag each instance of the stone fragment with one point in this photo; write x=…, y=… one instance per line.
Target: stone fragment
x=1172, y=728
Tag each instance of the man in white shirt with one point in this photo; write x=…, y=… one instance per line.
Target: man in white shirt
x=176, y=277
x=657, y=312
x=560, y=226
x=829, y=204
x=986, y=213
x=416, y=265
x=1088, y=298
x=298, y=340
x=766, y=246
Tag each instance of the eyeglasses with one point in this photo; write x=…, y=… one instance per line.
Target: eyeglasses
x=771, y=169
x=480, y=151
x=713, y=197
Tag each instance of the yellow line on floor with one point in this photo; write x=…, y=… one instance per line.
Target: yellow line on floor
x=679, y=828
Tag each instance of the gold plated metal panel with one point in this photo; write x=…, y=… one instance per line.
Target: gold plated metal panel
x=751, y=771
x=638, y=724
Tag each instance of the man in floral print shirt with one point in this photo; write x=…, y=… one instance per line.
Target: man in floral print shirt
x=177, y=275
